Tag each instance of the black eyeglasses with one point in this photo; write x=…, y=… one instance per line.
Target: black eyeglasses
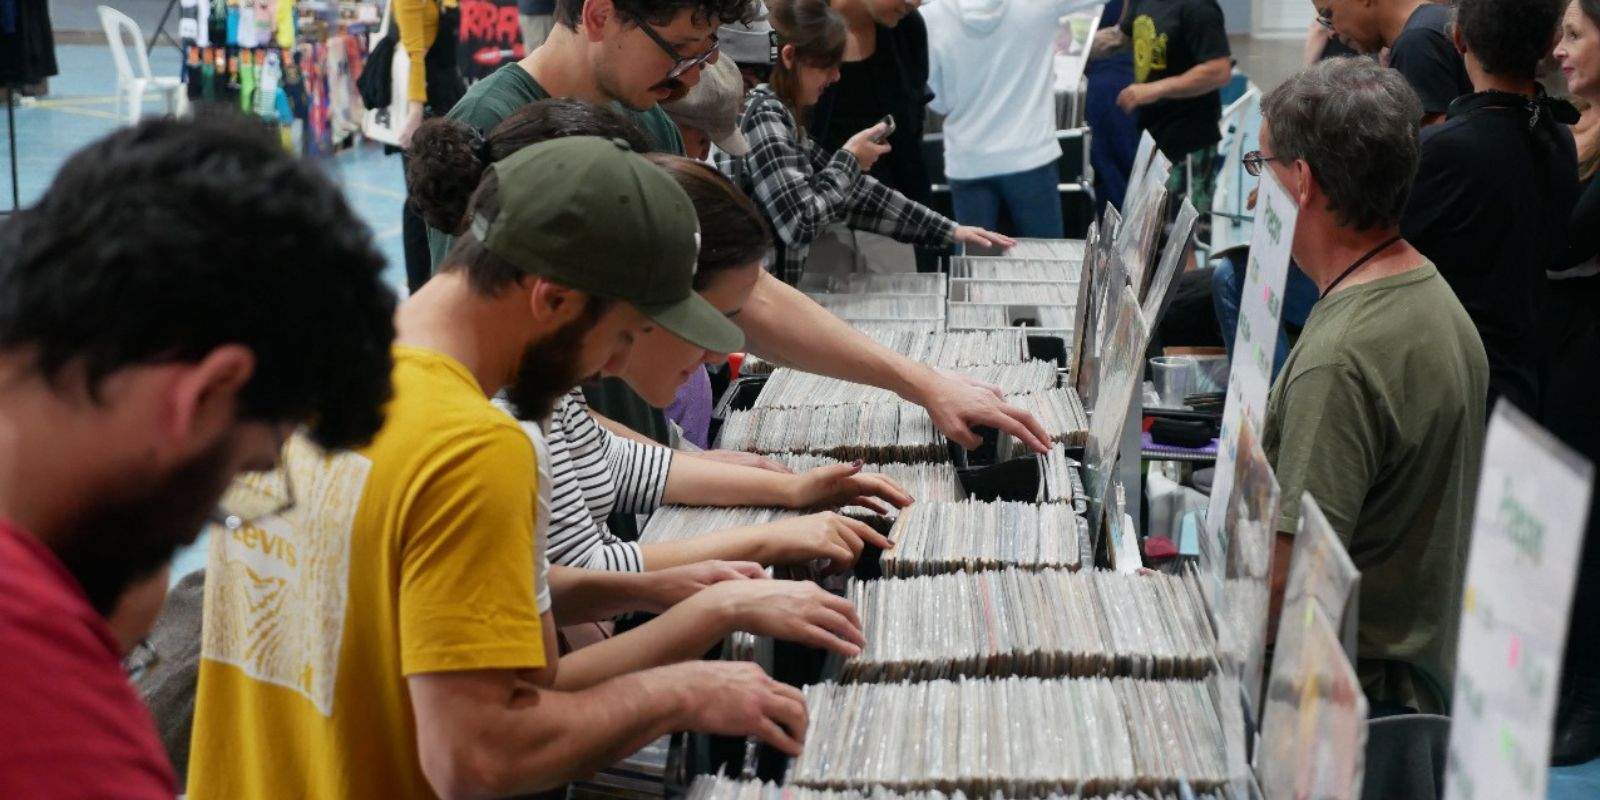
x=680, y=64
x=1253, y=162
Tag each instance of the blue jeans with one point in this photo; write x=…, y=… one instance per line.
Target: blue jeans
x=1227, y=287
x=1116, y=133
x=1029, y=198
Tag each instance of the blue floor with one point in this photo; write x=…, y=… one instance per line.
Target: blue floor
x=80, y=109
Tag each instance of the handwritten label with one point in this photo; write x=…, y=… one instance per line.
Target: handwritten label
x=1256, y=341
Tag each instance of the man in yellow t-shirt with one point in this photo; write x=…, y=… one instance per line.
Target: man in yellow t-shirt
x=382, y=637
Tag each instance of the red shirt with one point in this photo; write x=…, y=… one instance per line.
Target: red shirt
x=71, y=725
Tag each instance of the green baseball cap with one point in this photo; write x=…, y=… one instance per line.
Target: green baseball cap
x=592, y=215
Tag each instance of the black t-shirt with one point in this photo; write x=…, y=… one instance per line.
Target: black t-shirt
x=1584, y=244
x=1427, y=58
x=1490, y=208
x=1169, y=38
x=893, y=80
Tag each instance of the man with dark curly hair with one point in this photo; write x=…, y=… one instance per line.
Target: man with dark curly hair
x=181, y=299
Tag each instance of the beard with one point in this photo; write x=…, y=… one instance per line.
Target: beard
x=122, y=540
x=548, y=370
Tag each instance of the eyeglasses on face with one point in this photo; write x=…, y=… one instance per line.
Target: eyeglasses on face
x=1254, y=160
x=680, y=64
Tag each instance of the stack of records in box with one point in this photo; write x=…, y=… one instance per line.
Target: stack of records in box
x=944, y=350
x=926, y=483
x=792, y=388
x=640, y=776
x=1018, y=288
x=877, y=432
x=708, y=787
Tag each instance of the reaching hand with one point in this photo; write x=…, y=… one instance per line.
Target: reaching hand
x=794, y=611
x=827, y=535
x=846, y=484
x=978, y=237
x=957, y=407
x=741, y=459
x=973, y=382
x=669, y=587
x=738, y=699
x=866, y=151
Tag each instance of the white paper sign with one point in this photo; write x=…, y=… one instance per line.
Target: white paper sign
x=1256, y=342
x=1527, y=532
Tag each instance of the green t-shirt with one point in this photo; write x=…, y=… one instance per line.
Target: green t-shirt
x=1379, y=414
x=509, y=90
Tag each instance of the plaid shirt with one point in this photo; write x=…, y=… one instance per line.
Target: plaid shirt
x=801, y=189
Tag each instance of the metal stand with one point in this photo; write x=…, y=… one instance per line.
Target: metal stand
x=11, y=136
x=161, y=30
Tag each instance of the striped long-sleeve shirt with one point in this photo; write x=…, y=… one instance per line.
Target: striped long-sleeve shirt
x=595, y=473
x=802, y=189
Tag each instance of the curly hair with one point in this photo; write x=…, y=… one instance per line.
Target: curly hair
x=163, y=241
x=662, y=12
x=448, y=158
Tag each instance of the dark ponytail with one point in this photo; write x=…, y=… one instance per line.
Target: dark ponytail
x=448, y=157
x=732, y=232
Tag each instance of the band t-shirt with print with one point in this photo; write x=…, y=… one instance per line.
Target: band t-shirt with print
x=1169, y=38
x=413, y=555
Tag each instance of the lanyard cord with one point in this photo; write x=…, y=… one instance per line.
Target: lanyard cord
x=1360, y=262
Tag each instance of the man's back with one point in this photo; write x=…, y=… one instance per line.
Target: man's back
x=990, y=72
x=1490, y=207
x=1426, y=56
x=414, y=555
x=1378, y=413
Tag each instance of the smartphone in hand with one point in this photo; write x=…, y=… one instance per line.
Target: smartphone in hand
x=888, y=128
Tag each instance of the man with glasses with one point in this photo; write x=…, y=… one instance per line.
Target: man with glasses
x=183, y=295
x=1417, y=35
x=389, y=635
x=1378, y=412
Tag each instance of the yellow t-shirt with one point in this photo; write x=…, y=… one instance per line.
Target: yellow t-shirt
x=410, y=556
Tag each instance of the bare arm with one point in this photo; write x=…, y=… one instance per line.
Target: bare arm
x=491, y=733
x=839, y=540
x=786, y=327
x=789, y=610
x=592, y=595
x=705, y=482
x=621, y=429
x=1203, y=79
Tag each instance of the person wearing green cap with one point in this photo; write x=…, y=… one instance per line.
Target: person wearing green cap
x=387, y=635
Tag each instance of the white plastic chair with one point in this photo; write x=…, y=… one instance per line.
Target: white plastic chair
x=132, y=85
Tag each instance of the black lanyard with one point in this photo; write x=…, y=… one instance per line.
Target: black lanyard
x=1360, y=262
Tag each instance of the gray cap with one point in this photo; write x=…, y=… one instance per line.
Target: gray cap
x=713, y=106
x=754, y=43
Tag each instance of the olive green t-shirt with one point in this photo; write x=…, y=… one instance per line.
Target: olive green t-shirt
x=509, y=90
x=1379, y=414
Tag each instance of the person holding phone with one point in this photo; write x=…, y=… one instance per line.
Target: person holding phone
x=802, y=188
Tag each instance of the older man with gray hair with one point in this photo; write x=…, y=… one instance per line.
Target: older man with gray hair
x=1379, y=410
